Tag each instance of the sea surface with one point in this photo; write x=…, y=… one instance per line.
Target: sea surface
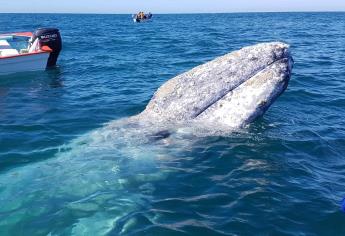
x=63, y=172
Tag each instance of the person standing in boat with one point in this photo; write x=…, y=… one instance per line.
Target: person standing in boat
x=141, y=15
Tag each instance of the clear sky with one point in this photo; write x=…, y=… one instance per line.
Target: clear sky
x=169, y=6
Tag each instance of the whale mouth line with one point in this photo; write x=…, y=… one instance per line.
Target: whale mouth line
x=285, y=57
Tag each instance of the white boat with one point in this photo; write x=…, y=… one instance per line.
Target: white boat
x=26, y=51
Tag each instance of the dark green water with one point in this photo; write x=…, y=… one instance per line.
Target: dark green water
x=61, y=173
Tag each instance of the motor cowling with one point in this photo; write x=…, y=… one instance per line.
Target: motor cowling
x=49, y=37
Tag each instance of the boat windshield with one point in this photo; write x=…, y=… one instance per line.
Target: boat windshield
x=16, y=42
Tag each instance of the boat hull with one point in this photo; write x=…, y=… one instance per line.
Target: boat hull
x=141, y=21
x=24, y=63
x=137, y=20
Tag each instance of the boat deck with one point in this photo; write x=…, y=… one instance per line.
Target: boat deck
x=14, y=44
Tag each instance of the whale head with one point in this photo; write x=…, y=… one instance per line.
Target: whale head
x=228, y=92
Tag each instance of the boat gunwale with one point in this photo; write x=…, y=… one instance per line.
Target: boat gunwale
x=26, y=34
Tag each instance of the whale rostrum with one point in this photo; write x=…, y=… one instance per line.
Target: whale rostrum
x=230, y=91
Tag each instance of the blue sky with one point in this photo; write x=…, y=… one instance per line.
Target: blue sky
x=170, y=6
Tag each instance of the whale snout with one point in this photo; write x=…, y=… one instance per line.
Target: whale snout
x=231, y=90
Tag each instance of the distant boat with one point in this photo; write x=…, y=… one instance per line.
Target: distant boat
x=26, y=51
x=137, y=18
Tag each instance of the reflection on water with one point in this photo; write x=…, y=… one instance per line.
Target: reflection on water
x=53, y=76
x=56, y=77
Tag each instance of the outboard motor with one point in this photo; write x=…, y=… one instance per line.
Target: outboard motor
x=49, y=37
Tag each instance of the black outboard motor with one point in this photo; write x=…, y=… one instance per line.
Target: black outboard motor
x=49, y=37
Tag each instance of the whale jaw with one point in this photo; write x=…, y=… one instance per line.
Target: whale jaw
x=228, y=92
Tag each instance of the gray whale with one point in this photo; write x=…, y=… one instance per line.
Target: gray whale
x=102, y=178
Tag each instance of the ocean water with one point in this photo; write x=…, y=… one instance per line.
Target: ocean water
x=64, y=172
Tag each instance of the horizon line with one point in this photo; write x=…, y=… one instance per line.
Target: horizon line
x=177, y=13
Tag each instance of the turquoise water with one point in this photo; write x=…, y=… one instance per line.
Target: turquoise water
x=63, y=172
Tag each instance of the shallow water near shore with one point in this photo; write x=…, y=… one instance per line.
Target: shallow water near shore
x=63, y=172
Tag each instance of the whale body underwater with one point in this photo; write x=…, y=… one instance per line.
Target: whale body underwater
x=114, y=167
